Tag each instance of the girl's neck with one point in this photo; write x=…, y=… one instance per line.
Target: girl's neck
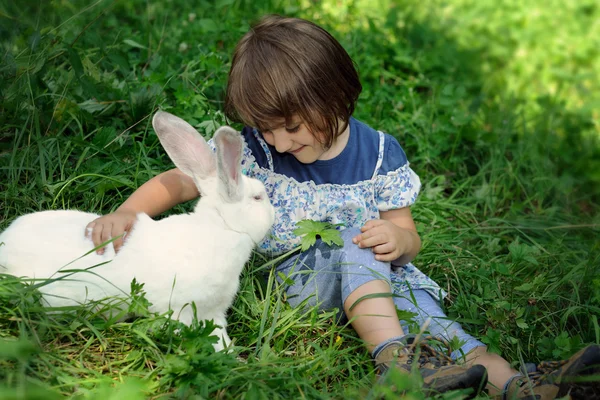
x=339, y=144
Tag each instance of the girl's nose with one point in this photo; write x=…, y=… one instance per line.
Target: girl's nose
x=282, y=140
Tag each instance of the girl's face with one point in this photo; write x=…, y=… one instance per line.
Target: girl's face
x=295, y=138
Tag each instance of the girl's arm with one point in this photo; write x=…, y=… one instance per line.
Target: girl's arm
x=393, y=238
x=159, y=194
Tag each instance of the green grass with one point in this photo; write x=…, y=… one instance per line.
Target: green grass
x=495, y=103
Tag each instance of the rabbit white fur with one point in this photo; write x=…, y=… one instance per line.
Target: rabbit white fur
x=195, y=257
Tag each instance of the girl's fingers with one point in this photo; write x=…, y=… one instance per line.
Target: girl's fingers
x=116, y=231
x=384, y=249
x=89, y=228
x=388, y=257
x=371, y=224
x=96, y=233
x=371, y=241
x=123, y=229
x=370, y=228
x=101, y=234
x=106, y=233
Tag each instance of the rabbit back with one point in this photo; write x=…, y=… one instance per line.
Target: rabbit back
x=42, y=242
x=38, y=245
x=180, y=259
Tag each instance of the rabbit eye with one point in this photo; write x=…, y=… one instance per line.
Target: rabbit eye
x=258, y=197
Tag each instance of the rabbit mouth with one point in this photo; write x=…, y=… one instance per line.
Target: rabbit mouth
x=228, y=227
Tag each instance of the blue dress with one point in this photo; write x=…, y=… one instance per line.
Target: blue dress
x=371, y=174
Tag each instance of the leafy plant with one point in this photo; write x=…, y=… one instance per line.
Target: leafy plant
x=311, y=230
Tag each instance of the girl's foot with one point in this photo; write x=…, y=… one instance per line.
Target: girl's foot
x=575, y=378
x=439, y=372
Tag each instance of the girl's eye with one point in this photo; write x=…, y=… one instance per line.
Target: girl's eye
x=293, y=130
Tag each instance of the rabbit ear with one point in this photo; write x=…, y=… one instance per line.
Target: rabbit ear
x=229, y=144
x=185, y=146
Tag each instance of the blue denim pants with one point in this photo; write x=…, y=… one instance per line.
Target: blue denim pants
x=325, y=276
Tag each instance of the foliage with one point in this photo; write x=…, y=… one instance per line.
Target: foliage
x=311, y=230
x=494, y=102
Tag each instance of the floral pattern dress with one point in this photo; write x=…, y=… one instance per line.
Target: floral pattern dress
x=349, y=204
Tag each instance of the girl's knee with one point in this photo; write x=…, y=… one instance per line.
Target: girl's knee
x=354, y=254
x=348, y=234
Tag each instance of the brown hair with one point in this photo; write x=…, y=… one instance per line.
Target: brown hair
x=286, y=66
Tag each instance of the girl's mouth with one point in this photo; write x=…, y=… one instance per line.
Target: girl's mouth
x=297, y=150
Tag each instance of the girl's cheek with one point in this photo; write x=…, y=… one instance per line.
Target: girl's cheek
x=269, y=138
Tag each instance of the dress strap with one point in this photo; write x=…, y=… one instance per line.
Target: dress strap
x=380, y=155
x=265, y=148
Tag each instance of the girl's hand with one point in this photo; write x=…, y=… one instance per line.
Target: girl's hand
x=109, y=226
x=383, y=237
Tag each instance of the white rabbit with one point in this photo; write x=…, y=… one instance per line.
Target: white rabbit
x=195, y=257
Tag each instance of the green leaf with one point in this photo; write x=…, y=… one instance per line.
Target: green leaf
x=75, y=62
x=330, y=236
x=285, y=279
x=405, y=315
x=208, y=25
x=531, y=259
x=176, y=365
x=209, y=127
x=307, y=242
x=501, y=268
x=522, y=324
x=139, y=303
x=119, y=59
x=311, y=230
x=526, y=287
x=307, y=226
x=133, y=43
x=94, y=106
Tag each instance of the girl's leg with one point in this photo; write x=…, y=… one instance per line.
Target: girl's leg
x=337, y=278
x=366, y=290
x=351, y=279
x=333, y=277
x=499, y=370
x=426, y=307
x=313, y=278
x=375, y=319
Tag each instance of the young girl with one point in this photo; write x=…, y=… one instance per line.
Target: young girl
x=295, y=88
